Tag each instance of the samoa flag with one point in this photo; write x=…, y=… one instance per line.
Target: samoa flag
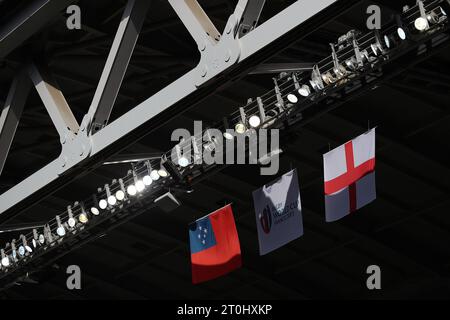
x=215, y=248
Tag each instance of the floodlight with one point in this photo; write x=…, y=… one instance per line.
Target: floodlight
x=103, y=204
x=28, y=249
x=240, y=128
x=401, y=33
x=228, y=135
x=131, y=190
x=112, y=200
x=83, y=218
x=304, y=91
x=254, y=121
x=120, y=195
x=41, y=239
x=140, y=186
x=71, y=222
x=147, y=180
x=154, y=174
x=292, y=98
x=95, y=211
x=162, y=173
x=421, y=24
x=21, y=251
x=5, y=262
x=60, y=231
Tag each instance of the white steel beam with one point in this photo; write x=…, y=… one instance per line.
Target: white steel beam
x=196, y=21
x=116, y=65
x=11, y=113
x=185, y=91
x=54, y=101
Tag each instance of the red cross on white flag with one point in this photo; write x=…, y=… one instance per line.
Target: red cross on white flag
x=349, y=176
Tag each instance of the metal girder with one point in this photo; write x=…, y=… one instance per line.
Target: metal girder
x=221, y=64
x=196, y=21
x=30, y=20
x=250, y=16
x=116, y=65
x=54, y=101
x=12, y=110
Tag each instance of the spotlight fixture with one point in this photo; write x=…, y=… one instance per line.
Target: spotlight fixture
x=147, y=180
x=95, y=211
x=227, y=135
x=387, y=41
x=41, y=239
x=131, y=190
x=34, y=243
x=83, y=218
x=120, y=195
x=292, y=98
x=421, y=24
x=254, y=121
x=21, y=251
x=5, y=262
x=304, y=91
x=155, y=174
x=162, y=173
x=140, y=186
x=103, y=204
x=28, y=249
x=401, y=33
x=183, y=162
x=60, y=230
x=112, y=200
x=240, y=128
x=71, y=221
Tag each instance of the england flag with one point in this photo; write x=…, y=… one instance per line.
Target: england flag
x=349, y=173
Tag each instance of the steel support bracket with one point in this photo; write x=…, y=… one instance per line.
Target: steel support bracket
x=216, y=57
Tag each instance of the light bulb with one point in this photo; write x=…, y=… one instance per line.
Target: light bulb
x=95, y=211
x=112, y=200
x=103, y=204
x=254, y=121
x=240, y=128
x=154, y=175
x=421, y=24
x=131, y=190
x=292, y=98
x=147, y=180
x=120, y=195
x=140, y=186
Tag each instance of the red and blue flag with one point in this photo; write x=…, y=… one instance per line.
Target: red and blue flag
x=215, y=248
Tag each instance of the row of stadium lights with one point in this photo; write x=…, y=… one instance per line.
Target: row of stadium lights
x=255, y=121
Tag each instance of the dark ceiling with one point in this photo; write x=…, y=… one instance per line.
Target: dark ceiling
x=406, y=231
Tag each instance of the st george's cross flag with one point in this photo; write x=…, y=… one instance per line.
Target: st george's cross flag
x=349, y=172
x=215, y=248
x=278, y=213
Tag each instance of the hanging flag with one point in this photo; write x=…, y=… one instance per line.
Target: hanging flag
x=278, y=213
x=215, y=249
x=349, y=176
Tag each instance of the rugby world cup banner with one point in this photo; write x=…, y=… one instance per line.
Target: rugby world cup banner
x=278, y=212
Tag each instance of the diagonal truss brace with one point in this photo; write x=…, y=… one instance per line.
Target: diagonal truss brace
x=116, y=65
x=11, y=113
x=224, y=60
